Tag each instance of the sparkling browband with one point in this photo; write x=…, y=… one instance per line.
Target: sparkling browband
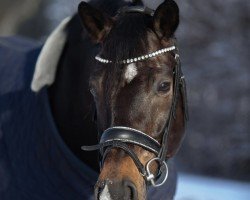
x=132, y=60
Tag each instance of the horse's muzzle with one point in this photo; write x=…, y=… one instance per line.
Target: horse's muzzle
x=116, y=190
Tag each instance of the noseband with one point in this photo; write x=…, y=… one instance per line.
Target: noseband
x=123, y=137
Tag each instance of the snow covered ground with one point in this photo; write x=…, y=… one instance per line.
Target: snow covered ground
x=192, y=187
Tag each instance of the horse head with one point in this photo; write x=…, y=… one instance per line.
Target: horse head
x=139, y=95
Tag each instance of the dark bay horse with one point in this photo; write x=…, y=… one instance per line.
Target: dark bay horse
x=119, y=82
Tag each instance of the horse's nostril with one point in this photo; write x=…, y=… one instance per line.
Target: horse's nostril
x=132, y=192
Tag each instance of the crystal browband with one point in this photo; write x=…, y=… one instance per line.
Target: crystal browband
x=140, y=58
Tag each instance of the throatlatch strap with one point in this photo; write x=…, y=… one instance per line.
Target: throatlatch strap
x=172, y=115
x=184, y=98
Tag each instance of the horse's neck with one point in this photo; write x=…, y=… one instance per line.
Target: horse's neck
x=71, y=102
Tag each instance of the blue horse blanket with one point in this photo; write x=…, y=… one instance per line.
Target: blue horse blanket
x=35, y=164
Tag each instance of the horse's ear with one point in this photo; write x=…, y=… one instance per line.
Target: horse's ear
x=166, y=19
x=97, y=23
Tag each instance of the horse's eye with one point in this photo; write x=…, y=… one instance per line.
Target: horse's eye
x=164, y=86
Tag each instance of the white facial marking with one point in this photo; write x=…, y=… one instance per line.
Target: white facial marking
x=105, y=194
x=131, y=72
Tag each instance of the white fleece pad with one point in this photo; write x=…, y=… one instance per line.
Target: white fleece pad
x=46, y=65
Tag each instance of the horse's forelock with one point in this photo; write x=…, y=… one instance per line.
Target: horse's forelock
x=128, y=37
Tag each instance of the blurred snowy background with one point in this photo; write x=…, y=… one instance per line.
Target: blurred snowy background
x=214, y=39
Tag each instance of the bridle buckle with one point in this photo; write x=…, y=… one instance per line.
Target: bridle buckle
x=151, y=177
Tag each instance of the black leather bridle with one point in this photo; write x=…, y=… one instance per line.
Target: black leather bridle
x=124, y=137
